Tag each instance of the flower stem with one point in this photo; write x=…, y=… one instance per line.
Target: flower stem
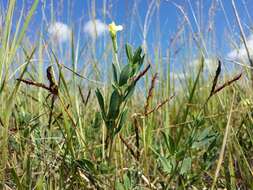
x=115, y=50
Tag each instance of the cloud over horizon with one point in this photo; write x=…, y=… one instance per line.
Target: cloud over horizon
x=241, y=53
x=59, y=32
x=95, y=28
x=209, y=64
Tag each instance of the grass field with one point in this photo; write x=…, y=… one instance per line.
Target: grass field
x=125, y=119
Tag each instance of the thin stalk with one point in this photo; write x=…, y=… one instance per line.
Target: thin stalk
x=243, y=38
x=224, y=143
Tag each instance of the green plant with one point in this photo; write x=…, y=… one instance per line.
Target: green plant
x=202, y=139
x=124, y=83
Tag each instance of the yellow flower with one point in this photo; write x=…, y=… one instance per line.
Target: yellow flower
x=113, y=28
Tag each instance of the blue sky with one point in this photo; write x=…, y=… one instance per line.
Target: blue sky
x=164, y=24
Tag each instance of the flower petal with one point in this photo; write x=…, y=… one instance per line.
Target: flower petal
x=119, y=28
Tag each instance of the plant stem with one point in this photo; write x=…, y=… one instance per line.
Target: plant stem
x=115, y=51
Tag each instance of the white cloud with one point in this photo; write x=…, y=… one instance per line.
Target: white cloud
x=59, y=32
x=178, y=75
x=209, y=64
x=95, y=28
x=241, y=54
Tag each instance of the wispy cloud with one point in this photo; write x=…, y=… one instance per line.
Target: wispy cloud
x=209, y=64
x=59, y=32
x=95, y=28
x=241, y=53
x=178, y=75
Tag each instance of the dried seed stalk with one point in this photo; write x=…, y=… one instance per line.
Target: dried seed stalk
x=129, y=147
x=150, y=93
x=142, y=73
x=237, y=77
x=159, y=105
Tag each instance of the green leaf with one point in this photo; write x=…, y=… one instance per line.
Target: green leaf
x=190, y=98
x=73, y=52
x=28, y=172
x=25, y=26
x=16, y=179
x=86, y=165
x=169, y=143
x=61, y=74
x=115, y=74
x=180, y=154
x=204, y=138
x=167, y=164
x=3, y=85
x=115, y=102
x=129, y=52
x=137, y=55
x=39, y=183
x=129, y=91
x=119, y=186
x=122, y=119
x=125, y=75
x=186, y=165
x=97, y=121
x=205, y=133
x=101, y=102
x=139, y=65
x=11, y=99
x=192, y=90
x=105, y=168
x=127, y=182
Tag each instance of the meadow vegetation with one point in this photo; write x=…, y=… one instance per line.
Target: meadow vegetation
x=129, y=123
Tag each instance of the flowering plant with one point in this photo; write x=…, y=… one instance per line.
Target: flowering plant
x=124, y=82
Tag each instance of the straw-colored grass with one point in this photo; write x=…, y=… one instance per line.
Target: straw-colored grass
x=70, y=119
